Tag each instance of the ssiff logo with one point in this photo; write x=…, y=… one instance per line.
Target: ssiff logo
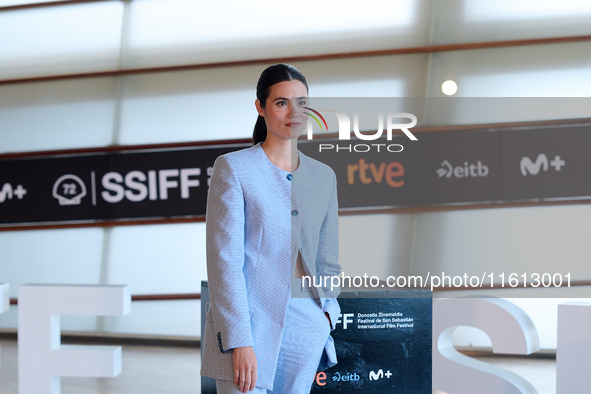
x=346, y=319
x=69, y=190
x=345, y=130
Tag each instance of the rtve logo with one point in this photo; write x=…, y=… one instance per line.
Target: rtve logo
x=392, y=173
x=345, y=131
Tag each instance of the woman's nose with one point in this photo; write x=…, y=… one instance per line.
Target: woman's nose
x=295, y=112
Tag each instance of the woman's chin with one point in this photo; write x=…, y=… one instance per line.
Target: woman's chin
x=297, y=131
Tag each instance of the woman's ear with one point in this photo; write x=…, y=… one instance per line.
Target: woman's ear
x=260, y=109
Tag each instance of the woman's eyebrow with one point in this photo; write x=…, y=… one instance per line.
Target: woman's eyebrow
x=286, y=99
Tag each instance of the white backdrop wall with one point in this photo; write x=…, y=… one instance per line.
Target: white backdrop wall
x=218, y=103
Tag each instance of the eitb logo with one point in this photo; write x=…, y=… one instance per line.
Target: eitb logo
x=345, y=130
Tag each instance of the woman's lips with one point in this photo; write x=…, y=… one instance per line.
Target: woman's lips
x=293, y=124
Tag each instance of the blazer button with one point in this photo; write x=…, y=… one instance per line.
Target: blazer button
x=289, y=177
x=294, y=213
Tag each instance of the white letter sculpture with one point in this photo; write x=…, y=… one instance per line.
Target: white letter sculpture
x=42, y=359
x=511, y=332
x=4, y=300
x=4, y=297
x=573, y=351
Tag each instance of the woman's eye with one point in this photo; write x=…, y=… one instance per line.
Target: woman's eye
x=281, y=103
x=303, y=103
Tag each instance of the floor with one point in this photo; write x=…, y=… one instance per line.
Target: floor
x=146, y=370
x=541, y=373
x=170, y=370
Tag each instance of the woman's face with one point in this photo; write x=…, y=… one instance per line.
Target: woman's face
x=284, y=118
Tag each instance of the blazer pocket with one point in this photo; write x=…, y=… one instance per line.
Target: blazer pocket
x=305, y=266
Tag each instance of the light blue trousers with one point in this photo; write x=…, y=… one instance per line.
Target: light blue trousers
x=304, y=337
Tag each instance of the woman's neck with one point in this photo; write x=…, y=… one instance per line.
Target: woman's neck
x=282, y=153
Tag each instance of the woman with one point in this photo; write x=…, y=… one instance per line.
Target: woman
x=271, y=217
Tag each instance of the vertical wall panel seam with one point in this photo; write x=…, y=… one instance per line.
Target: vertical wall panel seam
x=430, y=54
x=413, y=244
x=119, y=86
x=104, y=269
x=413, y=240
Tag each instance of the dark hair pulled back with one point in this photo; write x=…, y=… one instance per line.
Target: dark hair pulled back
x=272, y=75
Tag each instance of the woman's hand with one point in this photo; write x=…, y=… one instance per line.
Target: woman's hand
x=245, y=368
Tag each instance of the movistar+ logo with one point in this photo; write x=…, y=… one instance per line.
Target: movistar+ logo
x=7, y=192
x=541, y=163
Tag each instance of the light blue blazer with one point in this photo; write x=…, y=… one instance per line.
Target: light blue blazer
x=258, y=218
